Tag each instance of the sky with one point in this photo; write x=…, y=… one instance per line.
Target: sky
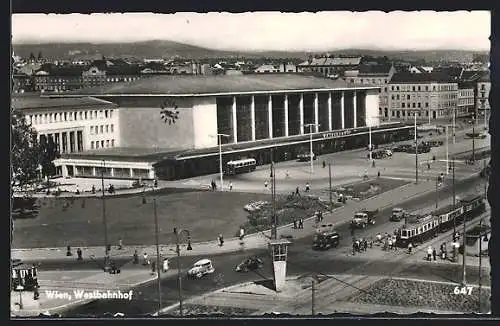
x=398, y=30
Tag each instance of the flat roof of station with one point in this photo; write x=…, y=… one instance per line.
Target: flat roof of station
x=210, y=85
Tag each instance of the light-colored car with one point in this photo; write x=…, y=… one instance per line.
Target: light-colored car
x=201, y=268
x=388, y=152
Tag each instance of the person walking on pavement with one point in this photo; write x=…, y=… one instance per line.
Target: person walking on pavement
x=230, y=185
x=242, y=234
x=434, y=254
x=221, y=240
x=390, y=243
x=410, y=246
x=120, y=244
x=301, y=223
x=307, y=187
x=165, y=265
x=146, y=259
x=378, y=174
x=153, y=268
x=265, y=184
x=79, y=254
x=429, y=253
x=294, y=223
x=379, y=237
x=297, y=191
x=136, y=258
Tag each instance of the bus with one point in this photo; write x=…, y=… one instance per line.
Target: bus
x=240, y=166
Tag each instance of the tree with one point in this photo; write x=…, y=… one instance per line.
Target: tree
x=48, y=153
x=32, y=57
x=25, y=151
x=169, y=112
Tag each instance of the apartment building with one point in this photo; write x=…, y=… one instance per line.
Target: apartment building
x=430, y=95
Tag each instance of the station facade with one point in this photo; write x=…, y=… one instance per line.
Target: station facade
x=266, y=117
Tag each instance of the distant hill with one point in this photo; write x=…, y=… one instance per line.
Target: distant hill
x=168, y=49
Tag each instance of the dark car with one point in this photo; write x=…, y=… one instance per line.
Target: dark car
x=326, y=240
x=249, y=264
x=401, y=148
x=305, y=157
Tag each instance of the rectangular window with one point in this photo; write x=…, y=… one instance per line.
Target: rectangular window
x=92, y=144
x=91, y=129
x=397, y=88
x=418, y=88
x=107, y=143
x=397, y=96
x=105, y=113
x=102, y=129
x=413, y=105
x=107, y=128
x=86, y=115
x=419, y=104
x=110, y=113
x=413, y=88
x=426, y=104
x=112, y=128
x=65, y=116
x=392, y=97
x=408, y=96
x=102, y=143
x=97, y=144
x=112, y=143
x=403, y=105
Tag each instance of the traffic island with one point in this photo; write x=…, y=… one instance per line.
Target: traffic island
x=424, y=296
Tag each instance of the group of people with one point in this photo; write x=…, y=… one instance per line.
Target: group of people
x=298, y=223
x=147, y=262
x=361, y=245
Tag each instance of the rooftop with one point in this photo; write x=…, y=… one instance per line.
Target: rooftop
x=381, y=69
x=336, y=61
x=27, y=102
x=214, y=84
x=407, y=77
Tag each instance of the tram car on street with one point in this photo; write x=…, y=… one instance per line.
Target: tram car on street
x=25, y=276
x=429, y=225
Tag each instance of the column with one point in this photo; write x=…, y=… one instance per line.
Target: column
x=93, y=171
x=235, y=125
x=301, y=113
x=342, y=110
x=354, y=109
x=64, y=171
x=286, y=115
x=152, y=173
x=316, y=116
x=270, y=115
x=74, y=171
x=252, y=116
x=329, y=110
x=112, y=172
x=131, y=172
x=68, y=146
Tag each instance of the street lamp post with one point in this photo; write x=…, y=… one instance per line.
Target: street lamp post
x=310, y=125
x=454, y=124
x=447, y=162
x=370, y=141
x=473, y=141
x=330, y=184
x=464, y=263
x=104, y=221
x=480, y=259
x=157, y=255
x=416, y=148
x=219, y=140
x=453, y=193
x=178, y=251
x=274, y=230
x=437, y=185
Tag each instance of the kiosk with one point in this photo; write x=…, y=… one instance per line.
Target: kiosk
x=278, y=250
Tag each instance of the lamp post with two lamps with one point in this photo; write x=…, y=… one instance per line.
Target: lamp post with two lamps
x=219, y=140
x=310, y=125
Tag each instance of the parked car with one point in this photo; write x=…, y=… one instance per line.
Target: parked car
x=201, y=268
x=401, y=148
x=388, y=152
x=305, y=157
x=326, y=240
x=249, y=264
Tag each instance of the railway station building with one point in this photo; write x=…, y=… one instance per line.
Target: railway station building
x=268, y=117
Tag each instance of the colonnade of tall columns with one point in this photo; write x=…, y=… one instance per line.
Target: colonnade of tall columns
x=286, y=114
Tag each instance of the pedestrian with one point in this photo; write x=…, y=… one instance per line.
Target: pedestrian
x=221, y=240
x=68, y=251
x=428, y=166
x=242, y=233
x=365, y=244
x=287, y=175
x=307, y=187
x=373, y=163
x=146, y=259
x=320, y=216
x=294, y=223
x=429, y=253
x=155, y=184
x=136, y=258
x=301, y=223
x=36, y=294
x=79, y=254
x=390, y=243
x=153, y=267
x=378, y=174
x=434, y=254
x=324, y=164
x=120, y=244
x=433, y=157
x=354, y=248
x=357, y=246
x=379, y=237
x=165, y=265
x=230, y=185
x=297, y=191
x=265, y=184
x=93, y=189
x=410, y=246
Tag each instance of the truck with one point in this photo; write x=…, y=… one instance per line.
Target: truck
x=364, y=218
x=398, y=214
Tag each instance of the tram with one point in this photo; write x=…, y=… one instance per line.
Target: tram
x=240, y=166
x=420, y=229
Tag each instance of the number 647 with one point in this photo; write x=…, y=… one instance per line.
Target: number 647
x=462, y=290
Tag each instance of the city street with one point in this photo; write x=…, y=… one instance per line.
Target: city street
x=302, y=259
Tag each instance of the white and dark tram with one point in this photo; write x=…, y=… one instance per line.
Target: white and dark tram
x=420, y=228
